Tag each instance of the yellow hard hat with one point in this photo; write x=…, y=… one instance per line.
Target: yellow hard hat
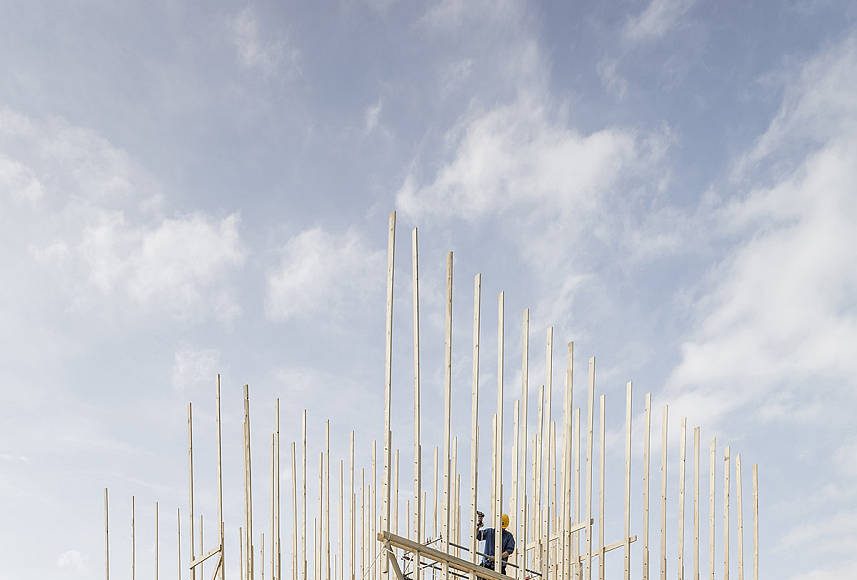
x=504, y=521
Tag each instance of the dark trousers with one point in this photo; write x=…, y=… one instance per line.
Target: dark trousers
x=490, y=565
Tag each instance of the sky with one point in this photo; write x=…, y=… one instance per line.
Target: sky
x=194, y=188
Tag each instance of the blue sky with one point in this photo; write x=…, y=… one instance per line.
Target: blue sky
x=187, y=189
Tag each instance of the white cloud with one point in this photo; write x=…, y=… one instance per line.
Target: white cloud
x=658, y=18
x=372, y=116
x=73, y=561
x=322, y=272
x=195, y=368
x=255, y=51
x=92, y=223
x=780, y=309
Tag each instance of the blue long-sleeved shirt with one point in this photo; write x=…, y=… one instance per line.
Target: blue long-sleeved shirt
x=487, y=534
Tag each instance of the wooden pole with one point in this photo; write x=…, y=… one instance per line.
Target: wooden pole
x=157, y=544
x=474, y=417
x=353, y=502
x=418, y=481
x=107, y=537
x=681, y=496
x=627, y=535
x=362, y=523
x=303, y=497
x=546, y=450
x=664, y=430
x=277, y=513
x=295, y=567
x=190, y=485
x=525, y=347
x=395, y=525
x=318, y=532
x=578, y=570
x=589, y=434
x=179, y=542
x=436, y=493
x=388, y=378
x=498, y=448
x=740, y=509
x=647, y=445
x=133, y=541
x=602, y=444
x=726, y=466
x=755, y=522
x=326, y=525
x=696, y=438
x=273, y=503
x=221, y=530
x=249, y=483
x=565, y=554
x=712, y=466
x=447, y=413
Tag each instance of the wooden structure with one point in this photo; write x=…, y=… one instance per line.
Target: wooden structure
x=556, y=505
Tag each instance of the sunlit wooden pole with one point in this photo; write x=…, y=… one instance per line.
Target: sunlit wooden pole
x=388, y=381
x=326, y=524
x=303, y=496
x=295, y=567
x=523, y=479
x=647, y=446
x=107, y=536
x=353, y=503
x=739, y=506
x=602, y=444
x=726, y=470
x=418, y=451
x=712, y=466
x=190, y=486
x=133, y=539
x=664, y=433
x=627, y=532
x=474, y=417
x=681, y=496
x=447, y=413
x=221, y=530
x=696, y=439
x=249, y=484
x=589, y=436
x=498, y=447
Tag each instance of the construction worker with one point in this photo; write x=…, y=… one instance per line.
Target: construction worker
x=487, y=534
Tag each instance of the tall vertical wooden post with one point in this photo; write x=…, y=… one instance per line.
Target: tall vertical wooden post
x=303, y=497
x=681, y=496
x=602, y=444
x=107, y=537
x=190, y=486
x=696, y=438
x=726, y=466
x=353, y=502
x=388, y=380
x=157, y=544
x=133, y=540
x=664, y=430
x=739, y=506
x=221, y=530
x=525, y=395
x=498, y=447
x=295, y=566
x=474, y=416
x=568, y=410
x=712, y=466
x=326, y=524
x=277, y=545
x=546, y=451
x=647, y=447
x=418, y=451
x=589, y=436
x=447, y=412
x=627, y=533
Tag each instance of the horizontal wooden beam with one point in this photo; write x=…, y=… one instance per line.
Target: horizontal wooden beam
x=609, y=548
x=437, y=555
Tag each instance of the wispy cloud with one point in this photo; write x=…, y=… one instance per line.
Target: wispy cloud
x=658, y=18
x=259, y=51
x=322, y=271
